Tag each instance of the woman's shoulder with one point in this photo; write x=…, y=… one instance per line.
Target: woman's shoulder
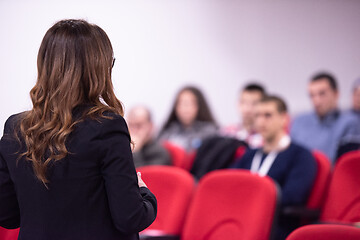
x=16, y=117
x=205, y=126
x=106, y=118
x=105, y=123
x=173, y=127
x=13, y=121
x=91, y=113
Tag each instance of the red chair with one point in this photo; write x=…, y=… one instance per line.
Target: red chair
x=317, y=194
x=325, y=232
x=180, y=158
x=173, y=188
x=9, y=234
x=232, y=204
x=342, y=203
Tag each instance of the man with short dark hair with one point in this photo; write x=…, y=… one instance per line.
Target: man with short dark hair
x=249, y=97
x=325, y=128
x=292, y=166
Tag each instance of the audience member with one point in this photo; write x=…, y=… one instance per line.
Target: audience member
x=352, y=143
x=249, y=97
x=66, y=169
x=289, y=164
x=190, y=120
x=326, y=127
x=356, y=98
x=146, y=151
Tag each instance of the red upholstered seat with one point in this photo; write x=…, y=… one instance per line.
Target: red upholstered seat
x=9, y=234
x=342, y=203
x=232, y=204
x=173, y=188
x=317, y=195
x=325, y=232
x=180, y=158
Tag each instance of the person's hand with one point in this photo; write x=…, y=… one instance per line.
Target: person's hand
x=140, y=181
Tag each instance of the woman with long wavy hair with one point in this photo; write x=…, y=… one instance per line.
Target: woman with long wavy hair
x=190, y=120
x=66, y=169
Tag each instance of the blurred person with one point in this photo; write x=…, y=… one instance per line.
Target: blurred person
x=190, y=120
x=249, y=97
x=66, y=167
x=146, y=150
x=356, y=97
x=352, y=143
x=326, y=128
x=292, y=166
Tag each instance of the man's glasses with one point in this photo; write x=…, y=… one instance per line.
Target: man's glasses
x=113, y=62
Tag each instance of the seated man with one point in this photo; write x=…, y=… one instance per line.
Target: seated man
x=352, y=142
x=356, y=98
x=249, y=96
x=146, y=150
x=289, y=164
x=326, y=128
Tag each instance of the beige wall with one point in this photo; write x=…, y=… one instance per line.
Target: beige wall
x=217, y=45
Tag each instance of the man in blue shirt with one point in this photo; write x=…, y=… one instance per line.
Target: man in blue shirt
x=352, y=143
x=326, y=127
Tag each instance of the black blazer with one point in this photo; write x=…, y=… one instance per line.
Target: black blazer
x=93, y=192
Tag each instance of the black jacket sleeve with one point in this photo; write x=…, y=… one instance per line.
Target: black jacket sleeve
x=132, y=208
x=9, y=207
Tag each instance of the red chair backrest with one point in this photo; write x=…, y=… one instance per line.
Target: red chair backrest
x=173, y=188
x=9, y=234
x=321, y=183
x=231, y=204
x=180, y=158
x=342, y=202
x=325, y=232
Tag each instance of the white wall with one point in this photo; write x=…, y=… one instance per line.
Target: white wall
x=160, y=45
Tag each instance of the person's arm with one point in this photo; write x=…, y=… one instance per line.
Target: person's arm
x=9, y=207
x=299, y=180
x=351, y=132
x=132, y=208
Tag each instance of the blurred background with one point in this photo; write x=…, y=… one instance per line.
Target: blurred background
x=217, y=45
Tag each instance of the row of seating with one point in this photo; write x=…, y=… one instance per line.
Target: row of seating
x=220, y=206
x=342, y=198
x=235, y=204
x=229, y=204
x=321, y=184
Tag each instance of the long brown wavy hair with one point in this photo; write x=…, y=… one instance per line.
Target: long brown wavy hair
x=74, y=67
x=204, y=113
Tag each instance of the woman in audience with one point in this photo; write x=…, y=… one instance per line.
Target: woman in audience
x=66, y=167
x=190, y=120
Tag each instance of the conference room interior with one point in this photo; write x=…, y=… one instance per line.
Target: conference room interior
x=218, y=47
